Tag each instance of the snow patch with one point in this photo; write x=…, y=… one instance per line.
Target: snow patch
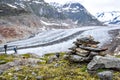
x=12, y=6
x=46, y=23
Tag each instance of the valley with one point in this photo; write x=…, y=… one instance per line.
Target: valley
x=60, y=40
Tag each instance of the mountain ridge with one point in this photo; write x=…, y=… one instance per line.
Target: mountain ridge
x=111, y=17
x=77, y=13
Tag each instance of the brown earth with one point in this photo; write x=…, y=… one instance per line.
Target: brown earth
x=17, y=27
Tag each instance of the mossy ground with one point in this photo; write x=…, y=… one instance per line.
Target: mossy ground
x=57, y=70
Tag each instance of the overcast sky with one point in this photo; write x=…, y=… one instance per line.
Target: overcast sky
x=94, y=6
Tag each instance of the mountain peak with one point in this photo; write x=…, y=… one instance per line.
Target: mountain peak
x=73, y=5
x=111, y=17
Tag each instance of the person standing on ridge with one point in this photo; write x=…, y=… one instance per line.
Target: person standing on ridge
x=15, y=49
x=5, y=48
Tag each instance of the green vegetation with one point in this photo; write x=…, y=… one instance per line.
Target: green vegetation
x=118, y=56
x=57, y=70
x=4, y=58
x=26, y=55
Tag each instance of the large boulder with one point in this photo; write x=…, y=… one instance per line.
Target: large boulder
x=105, y=75
x=108, y=62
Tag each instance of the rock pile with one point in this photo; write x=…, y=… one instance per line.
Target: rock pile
x=84, y=50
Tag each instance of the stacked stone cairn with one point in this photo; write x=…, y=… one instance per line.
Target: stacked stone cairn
x=84, y=50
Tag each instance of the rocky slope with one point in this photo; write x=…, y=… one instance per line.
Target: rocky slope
x=49, y=67
x=78, y=13
x=115, y=43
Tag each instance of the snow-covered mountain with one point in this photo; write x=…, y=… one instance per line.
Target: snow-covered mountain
x=76, y=12
x=112, y=17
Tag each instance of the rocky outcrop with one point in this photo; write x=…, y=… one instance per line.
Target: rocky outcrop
x=104, y=62
x=20, y=62
x=114, y=46
x=87, y=51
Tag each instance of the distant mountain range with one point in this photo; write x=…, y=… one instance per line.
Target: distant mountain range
x=72, y=10
x=76, y=12
x=112, y=17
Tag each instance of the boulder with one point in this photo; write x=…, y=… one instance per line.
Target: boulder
x=76, y=58
x=29, y=61
x=1, y=71
x=52, y=59
x=105, y=75
x=104, y=62
x=39, y=78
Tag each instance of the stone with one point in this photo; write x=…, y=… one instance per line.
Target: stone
x=91, y=55
x=1, y=71
x=93, y=49
x=15, y=77
x=105, y=75
x=33, y=61
x=39, y=78
x=72, y=48
x=20, y=62
x=33, y=73
x=52, y=59
x=104, y=62
x=56, y=65
x=17, y=69
x=87, y=40
x=57, y=55
x=66, y=57
x=71, y=52
x=76, y=58
x=80, y=50
x=83, y=54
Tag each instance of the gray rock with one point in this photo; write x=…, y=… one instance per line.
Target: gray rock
x=104, y=62
x=105, y=75
x=91, y=49
x=39, y=78
x=76, y=58
x=20, y=62
x=66, y=57
x=1, y=71
x=15, y=77
x=83, y=54
x=91, y=55
x=33, y=73
x=52, y=59
x=17, y=69
x=56, y=65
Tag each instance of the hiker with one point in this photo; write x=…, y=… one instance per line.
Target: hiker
x=15, y=49
x=5, y=48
